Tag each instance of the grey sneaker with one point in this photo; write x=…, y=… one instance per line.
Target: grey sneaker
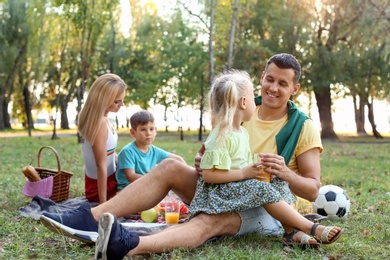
x=114, y=241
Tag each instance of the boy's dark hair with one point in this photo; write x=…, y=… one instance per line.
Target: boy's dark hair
x=141, y=118
x=286, y=61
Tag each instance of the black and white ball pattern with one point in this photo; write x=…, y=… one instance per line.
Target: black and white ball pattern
x=332, y=202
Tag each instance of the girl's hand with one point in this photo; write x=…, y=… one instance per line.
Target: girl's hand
x=251, y=171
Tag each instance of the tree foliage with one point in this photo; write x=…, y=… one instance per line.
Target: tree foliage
x=52, y=50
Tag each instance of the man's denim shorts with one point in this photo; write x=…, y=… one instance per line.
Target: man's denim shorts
x=258, y=220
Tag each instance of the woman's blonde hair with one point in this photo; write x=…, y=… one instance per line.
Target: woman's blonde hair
x=224, y=97
x=103, y=93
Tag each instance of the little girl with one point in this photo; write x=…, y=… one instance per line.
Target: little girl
x=228, y=182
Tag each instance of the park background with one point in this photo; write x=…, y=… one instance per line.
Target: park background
x=169, y=51
x=52, y=50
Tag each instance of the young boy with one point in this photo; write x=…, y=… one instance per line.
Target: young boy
x=140, y=156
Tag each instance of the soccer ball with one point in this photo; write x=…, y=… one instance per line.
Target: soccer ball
x=332, y=202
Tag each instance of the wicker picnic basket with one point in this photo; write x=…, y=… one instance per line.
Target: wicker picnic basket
x=61, y=178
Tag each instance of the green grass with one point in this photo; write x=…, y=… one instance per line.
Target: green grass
x=359, y=165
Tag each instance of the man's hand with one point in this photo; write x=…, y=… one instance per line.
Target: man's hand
x=198, y=157
x=307, y=184
x=275, y=165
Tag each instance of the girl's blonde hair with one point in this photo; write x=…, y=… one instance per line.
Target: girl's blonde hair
x=224, y=96
x=104, y=91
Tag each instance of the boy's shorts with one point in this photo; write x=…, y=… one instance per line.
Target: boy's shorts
x=258, y=220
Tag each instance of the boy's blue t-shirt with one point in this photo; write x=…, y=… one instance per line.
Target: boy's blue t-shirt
x=130, y=157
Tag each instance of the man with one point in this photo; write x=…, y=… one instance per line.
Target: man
x=277, y=127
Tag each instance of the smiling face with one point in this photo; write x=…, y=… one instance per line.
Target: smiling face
x=277, y=86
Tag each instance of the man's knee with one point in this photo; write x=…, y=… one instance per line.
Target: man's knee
x=168, y=165
x=165, y=169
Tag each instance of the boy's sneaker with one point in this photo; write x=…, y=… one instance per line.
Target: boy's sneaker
x=114, y=241
x=79, y=223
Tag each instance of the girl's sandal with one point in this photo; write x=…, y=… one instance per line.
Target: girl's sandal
x=324, y=239
x=303, y=244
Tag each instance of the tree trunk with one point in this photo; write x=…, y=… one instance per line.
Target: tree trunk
x=7, y=118
x=211, y=38
x=200, y=133
x=4, y=116
x=359, y=116
x=166, y=119
x=181, y=133
x=81, y=88
x=371, y=119
x=55, y=136
x=65, y=101
x=113, y=46
x=3, y=109
x=64, y=115
x=370, y=104
x=84, y=46
x=27, y=107
x=324, y=104
x=80, y=93
x=232, y=32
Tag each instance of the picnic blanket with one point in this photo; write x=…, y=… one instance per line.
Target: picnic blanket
x=39, y=205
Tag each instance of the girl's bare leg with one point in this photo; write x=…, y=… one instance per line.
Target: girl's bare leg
x=291, y=219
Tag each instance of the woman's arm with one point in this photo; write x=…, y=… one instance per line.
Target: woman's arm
x=99, y=149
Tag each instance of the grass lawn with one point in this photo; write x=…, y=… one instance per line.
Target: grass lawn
x=360, y=165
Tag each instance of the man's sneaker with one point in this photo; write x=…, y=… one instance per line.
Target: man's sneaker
x=79, y=223
x=114, y=241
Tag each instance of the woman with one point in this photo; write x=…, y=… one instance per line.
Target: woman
x=100, y=139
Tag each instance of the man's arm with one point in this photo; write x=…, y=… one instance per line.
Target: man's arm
x=305, y=185
x=198, y=158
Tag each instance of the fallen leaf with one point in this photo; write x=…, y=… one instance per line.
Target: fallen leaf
x=365, y=233
x=35, y=228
